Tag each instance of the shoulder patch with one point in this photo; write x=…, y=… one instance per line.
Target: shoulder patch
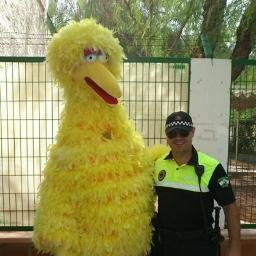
x=223, y=181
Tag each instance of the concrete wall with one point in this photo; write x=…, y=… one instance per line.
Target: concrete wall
x=19, y=243
x=209, y=107
x=23, y=29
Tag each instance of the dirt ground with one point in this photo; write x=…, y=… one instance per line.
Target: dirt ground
x=243, y=180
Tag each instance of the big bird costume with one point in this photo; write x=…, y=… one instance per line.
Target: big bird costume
x=96, y=198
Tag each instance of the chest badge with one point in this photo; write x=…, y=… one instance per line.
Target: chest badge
x=161, y=175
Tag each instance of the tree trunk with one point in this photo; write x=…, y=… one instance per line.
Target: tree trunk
x=213, y=16
x=246, y=37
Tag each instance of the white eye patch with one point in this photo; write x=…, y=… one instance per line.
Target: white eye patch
x=90, y=55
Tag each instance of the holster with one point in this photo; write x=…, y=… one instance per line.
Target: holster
x=215, y=236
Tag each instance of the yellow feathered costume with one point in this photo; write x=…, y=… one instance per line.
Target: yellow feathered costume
x=96, y=198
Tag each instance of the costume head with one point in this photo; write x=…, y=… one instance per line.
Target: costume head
x=85, y=57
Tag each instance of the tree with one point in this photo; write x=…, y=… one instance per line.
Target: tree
x=246, y=37
x=170, y=27
x=211, y=28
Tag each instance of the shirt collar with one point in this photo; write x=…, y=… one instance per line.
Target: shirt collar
x=193, y=160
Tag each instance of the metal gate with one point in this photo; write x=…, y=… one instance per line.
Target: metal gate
x=30, y=111
x=242, y=146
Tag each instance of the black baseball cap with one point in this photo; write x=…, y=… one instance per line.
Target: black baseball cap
x=178, y=120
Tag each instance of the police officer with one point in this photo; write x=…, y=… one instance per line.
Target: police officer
x=187, y=181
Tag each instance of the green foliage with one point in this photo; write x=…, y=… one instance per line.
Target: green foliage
x=245, y=123
x=246, y=137
x=156, y=27
x=247, y=80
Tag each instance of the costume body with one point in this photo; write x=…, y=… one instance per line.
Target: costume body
x=180, y=218
x=96, y=198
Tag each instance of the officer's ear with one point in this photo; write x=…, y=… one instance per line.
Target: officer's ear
x=193, y=131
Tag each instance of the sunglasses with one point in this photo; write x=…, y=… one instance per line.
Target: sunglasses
x=174, y=133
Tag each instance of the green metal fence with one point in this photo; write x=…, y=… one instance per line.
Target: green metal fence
x=242, y=148
x=30, y=107
x=153, y=88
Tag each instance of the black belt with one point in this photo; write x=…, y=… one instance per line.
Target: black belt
x=166, y=234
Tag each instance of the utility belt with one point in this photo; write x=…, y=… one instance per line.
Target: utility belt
x=167, y=234
x=161, y=234
x=201, y=234
x=163, y=237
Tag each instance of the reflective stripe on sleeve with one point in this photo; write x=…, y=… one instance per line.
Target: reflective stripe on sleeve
x=170, y=184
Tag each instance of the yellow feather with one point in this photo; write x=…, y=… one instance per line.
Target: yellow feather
x=96, y=198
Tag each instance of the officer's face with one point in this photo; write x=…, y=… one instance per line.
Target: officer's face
x=180, y=141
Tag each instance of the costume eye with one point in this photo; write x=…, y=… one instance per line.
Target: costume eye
x=102, y=57
x=90, y=58
x=89, y=55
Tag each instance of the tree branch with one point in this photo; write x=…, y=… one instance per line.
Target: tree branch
x=213, y=17
x=182, y=26
x=127, y=3
x=246, y=37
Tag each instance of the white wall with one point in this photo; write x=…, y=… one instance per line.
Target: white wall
x=23, y=28
x=209, y=107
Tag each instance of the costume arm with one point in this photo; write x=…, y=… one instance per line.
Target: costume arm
x=232, y=214
x=156, y=151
